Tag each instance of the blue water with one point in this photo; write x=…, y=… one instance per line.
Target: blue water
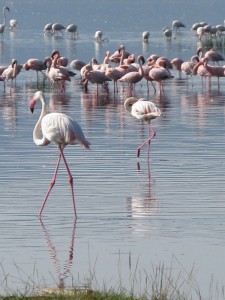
x=133, y=215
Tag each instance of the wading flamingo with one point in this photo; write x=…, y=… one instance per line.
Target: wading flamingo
x=99, y=37
x=72, y=28
x=143, y=110
x=61, y=130
x=176, y=25
x=36, y=64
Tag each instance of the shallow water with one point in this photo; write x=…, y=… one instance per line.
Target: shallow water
x=133, y=215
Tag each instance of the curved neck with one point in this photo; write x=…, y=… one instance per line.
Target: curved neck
x=36, y=133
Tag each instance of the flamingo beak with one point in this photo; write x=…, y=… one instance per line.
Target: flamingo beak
x=32, y=104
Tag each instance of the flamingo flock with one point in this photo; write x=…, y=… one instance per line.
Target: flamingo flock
x=119, y=69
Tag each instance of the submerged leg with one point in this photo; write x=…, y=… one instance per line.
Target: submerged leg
x=50, y=186
x=150, y=136
x=70, y=181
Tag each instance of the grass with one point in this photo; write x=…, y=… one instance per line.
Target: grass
x=163, y=283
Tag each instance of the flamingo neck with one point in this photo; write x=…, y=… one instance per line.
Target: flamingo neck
x=4, y=17
x=141, y=71
x=36, y=133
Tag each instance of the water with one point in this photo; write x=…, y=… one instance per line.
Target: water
x=132, y=215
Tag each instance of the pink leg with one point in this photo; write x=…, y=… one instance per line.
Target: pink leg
x=147, y=141
x=51, y=186
x=70, y=180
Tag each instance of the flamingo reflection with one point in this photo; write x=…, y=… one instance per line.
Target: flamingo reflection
x=62, y=272
x=143, y=204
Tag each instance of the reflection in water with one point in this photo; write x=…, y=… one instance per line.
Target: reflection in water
x=8, y=110
x=143, y=204
x=62, y=271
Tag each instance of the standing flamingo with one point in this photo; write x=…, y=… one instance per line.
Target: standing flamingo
x=143, y=110
x=36, y=64
x=134, y=76
x=61, y=130
x=2, y=26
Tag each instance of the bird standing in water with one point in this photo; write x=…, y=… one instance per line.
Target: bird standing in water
x=143, y=110
x=61, y=130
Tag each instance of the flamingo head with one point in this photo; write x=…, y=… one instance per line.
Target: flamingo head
x=54, y=52
x=37, y=96
x=6, y=7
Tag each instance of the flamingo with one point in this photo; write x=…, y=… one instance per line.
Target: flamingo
x=201, y=70
x=73, y=29
x=11, y=71
x=36, y=64
x=54, y=73
x=2, y=26
x=12, y=24
x=159, y=72
x=211, y=55
x=57, y=27
x=135, y=76
x=77, y=64
x=61, y=130
x=145, y=36
x=187, y=66
x=48, y=29
x=143, y=110
x=99, y=37
x=115, y=57
x=176, y=25
x=167, y=32
x=177, y=62
x=216, y=71
x=95, y=77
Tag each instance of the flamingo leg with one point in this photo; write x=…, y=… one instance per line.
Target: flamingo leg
x=70, y=180
x=50, y=186
x=150, y=136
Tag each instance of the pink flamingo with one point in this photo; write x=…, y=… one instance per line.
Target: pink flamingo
x=11, y=71
x=95, y=77
x=117, y=72
x=115, y=57
x=37, y=65
x=211, y=55
x=135, y=76
x=143, y=110
x=177, y=62
x=216, y=71
x=187, y=66
x=201, y=70
x=160, y=73
x=61, y=130
x=56, y=73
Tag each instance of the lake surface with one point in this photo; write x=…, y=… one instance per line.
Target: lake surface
x=133, y=214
